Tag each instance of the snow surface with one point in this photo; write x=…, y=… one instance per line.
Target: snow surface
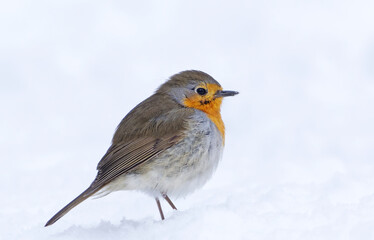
x=298, y=162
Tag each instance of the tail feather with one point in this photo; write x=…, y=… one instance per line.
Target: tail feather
x=83, y=196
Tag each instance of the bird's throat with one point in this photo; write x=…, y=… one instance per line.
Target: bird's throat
x=213, y=110
x=217, y=120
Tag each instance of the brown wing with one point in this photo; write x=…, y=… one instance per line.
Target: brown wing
x=123, y=157
x=119, y=159
x=145, y=132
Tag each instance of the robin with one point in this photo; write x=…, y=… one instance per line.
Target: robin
x=169, y=144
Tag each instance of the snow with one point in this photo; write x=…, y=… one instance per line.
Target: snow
x=298, y=160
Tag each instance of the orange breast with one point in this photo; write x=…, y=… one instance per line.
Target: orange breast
x=209, y=105
x=217, y=120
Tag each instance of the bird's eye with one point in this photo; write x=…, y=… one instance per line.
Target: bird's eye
x=201, y=91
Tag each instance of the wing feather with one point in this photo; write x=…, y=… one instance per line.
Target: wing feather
x=124, y=157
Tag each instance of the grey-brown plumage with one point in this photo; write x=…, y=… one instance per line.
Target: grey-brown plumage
x=139, y=137
x=145, y=133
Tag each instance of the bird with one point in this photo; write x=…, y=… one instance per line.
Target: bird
x=168, y=145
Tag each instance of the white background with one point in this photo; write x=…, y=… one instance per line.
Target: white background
x=298, y=162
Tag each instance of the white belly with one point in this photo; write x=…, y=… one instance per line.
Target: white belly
x=182, y=168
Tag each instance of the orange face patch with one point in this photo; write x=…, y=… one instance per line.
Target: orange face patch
x=208, y=104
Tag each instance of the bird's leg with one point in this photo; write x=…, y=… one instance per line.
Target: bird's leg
x=159, y=208
x=169, y=201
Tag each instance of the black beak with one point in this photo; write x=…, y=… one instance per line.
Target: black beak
x=223, y=93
